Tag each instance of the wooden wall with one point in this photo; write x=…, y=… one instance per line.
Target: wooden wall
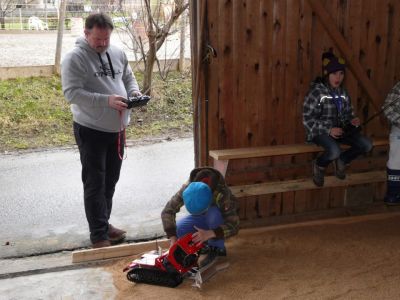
x=253, y=61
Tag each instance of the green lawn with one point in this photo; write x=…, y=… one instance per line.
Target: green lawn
x=34, y=113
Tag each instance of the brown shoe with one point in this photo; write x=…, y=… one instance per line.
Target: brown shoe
x=115, y=234
x=101, y=244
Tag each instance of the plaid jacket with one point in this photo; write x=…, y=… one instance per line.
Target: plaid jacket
x=222, y=198
x=391, y=106
x=320, y=113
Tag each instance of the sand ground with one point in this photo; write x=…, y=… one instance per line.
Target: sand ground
x=348, y=258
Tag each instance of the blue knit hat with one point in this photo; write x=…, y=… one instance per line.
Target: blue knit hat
x=331, y=63
x=197, y=197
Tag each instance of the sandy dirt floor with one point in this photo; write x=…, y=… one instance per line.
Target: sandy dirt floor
x=349, y=258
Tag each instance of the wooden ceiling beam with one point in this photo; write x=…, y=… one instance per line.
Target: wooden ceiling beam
x=351, y=58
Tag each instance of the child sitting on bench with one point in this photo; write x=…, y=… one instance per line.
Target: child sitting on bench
x=329, y=120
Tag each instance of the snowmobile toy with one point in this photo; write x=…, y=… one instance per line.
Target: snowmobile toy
x=167, y=269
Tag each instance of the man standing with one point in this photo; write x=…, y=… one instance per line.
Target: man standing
x=96, y=79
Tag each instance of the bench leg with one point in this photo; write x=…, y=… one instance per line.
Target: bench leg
x=221, y=165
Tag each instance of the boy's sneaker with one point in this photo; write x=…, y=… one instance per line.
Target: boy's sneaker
x=340, y=169
x=212, y=254
x=318, y=174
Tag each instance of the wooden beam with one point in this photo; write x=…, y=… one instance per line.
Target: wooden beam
x=221, y=165
x=306, y=184
x=340, y=215
x=117, y=251
x=238, y=153
x=351, y=58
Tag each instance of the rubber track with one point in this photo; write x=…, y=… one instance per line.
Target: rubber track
x=155, y=277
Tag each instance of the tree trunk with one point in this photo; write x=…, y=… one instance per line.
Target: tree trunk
x=157, y=36
x=3, y=22
x=150, y=60
x=182, y=44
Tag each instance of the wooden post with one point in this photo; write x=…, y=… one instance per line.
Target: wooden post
x=61, y=19
x=182, y=45
x=20, y=18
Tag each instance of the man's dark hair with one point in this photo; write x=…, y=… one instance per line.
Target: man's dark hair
x=99, y=20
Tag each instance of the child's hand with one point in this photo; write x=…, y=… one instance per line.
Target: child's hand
x=356, y=122
x=202, y=235
x=172, y=240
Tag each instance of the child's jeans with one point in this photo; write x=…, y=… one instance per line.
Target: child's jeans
x=209, y=220
x=359, y=145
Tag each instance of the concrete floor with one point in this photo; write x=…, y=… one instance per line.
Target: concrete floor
x=41, y=212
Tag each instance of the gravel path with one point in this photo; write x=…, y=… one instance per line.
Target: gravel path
x=35, y=49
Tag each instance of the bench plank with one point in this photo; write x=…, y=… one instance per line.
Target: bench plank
x=240, y=153
x=306, y=184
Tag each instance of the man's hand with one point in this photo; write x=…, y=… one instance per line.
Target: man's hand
x=116, y=102
x=202, y=235
x=172, y=240
x=355, y=122
x=336, y=132
x=136, y=94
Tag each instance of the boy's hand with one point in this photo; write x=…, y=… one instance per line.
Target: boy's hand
x=202, y=235
x=336, y=132
x=136, y=94
x=355, y=122
x=172, y=240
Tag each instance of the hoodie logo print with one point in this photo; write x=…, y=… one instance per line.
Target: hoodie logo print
x=105, y=70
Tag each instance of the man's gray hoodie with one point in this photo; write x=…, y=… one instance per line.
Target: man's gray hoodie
x=88, y=78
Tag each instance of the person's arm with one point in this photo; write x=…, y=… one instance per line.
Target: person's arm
x=73, y=77
x=168, y=215
x=312, y=112
x=348, y=109
x=391, y=105
x=228, y=204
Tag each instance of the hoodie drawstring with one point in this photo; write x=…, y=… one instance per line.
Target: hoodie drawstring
x=111, y=66
x=122, y=132
x=109, y=62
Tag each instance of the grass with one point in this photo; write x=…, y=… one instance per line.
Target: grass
x=34, y=113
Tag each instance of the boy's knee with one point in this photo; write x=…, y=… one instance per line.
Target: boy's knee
x=333, y=153
x=367, y=146
x=214, y=217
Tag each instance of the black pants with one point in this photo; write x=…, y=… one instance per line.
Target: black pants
x=101, y=167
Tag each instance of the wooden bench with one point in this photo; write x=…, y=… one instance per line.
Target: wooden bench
x=223, y=157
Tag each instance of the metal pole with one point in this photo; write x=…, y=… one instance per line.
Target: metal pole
x=20, y=18
x=61, y=20
x=45, y=11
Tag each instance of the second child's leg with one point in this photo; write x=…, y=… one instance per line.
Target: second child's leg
x=359, y=145
x=207, y=221
x=331, y=152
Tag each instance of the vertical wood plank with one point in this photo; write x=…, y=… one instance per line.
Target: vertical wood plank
x=212, y=81
x=225, y=74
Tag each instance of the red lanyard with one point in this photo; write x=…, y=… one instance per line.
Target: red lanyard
x=122, y=130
